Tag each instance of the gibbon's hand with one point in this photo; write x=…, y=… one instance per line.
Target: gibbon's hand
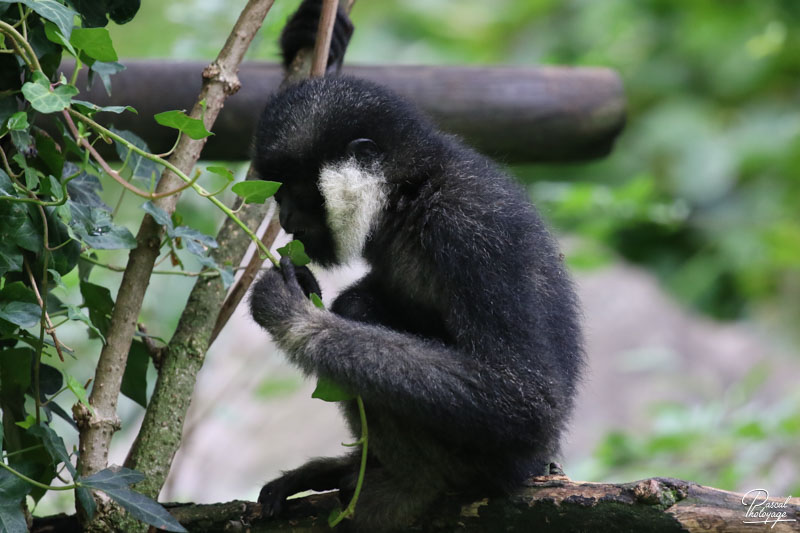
x=277, y=297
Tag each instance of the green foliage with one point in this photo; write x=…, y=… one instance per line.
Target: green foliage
x=328, y=391
x=54, y=221
x=115, y=483
x=295, y=251
x=725, y=443
x=179, y=120
x=255, y=192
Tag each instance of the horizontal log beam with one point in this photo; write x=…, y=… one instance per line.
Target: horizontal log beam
x=518, y=114
x=548, y=504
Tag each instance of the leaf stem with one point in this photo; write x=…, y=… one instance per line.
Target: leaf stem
x=36, y=483
x=32, y=61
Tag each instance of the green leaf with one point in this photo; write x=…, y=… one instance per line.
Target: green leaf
x=10, y=258
x=45, y=100
x=115, y=477
x=54, y=446
x=328, y=391
x=94, y=227
x=23, y=314
x=115, y=481
x=161, y=216
x=179, y=120
x=23, y=142
x=134, y=381
x=18, y=121
x=316, y=300
x=28, y=422
x=54, y=36
x=196, y=242
x=145, y=509
x=296, y=252
x=255, y=192
x=51, y=10
x=335, y=517
x=12, y=491
x=98, y=301
x=94, y=42
x=50, y=379
x=75, y=313
x=79, y=392
x=221, y=171
x=89, y=106
x=84, y=189
x=12, y=519
x=105, y=71
x=141, y=167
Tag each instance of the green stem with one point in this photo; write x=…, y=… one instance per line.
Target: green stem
x=351, y=507
x=200, y=190
x=9, y=30
x=23, y=450
x=78, y=67
x=36, y=483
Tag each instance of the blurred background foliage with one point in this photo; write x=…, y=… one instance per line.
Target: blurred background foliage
x=703, y=188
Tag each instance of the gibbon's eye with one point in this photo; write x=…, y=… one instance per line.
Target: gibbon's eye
x=363, y=149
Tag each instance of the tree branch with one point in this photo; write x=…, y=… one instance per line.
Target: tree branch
x=549, y=504
x=220, y=81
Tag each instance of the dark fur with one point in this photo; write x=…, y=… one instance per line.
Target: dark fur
x=463, y=339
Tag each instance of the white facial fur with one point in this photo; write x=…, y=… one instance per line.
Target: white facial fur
x=354, y=197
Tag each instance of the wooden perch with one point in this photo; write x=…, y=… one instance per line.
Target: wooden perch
x=518, y=114
x=548, y=504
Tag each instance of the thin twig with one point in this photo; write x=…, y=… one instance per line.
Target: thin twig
x=322, y=44
x=50, y=329
x=243, y=283
x=113, y=173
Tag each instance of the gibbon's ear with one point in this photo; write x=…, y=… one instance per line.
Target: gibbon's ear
x=363, y=149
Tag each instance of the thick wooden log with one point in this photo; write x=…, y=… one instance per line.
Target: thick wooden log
x=518, y=114
x=549, y=504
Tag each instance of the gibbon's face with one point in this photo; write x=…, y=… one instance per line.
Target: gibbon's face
x=333, y=207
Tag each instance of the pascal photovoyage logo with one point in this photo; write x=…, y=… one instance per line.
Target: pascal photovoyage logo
x=762, y=510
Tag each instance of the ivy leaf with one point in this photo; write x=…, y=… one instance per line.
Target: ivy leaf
x=316, y=300
x=18, y=121
x=196, y=242
x=105, y=70
x=75, y=313
x=115, y=481
x=95, y=43
x=54, y=446
x=54, y=36
x=161, y=216
x=328, y=391
x=115, y=477
x=10, y=258
x=12, y=491
x=296, y=252
x=98, y=300
x=27, y=423
x=141, y=167
x=84, y=188
x=23, y=314
x=44, y=100
x=94, y=227
x=61, y=15
x=79, y=392
x=255, y=192
x=143, y=508
x=179, y=120
x=134, y=381
x=221, y=171
x=89, y=106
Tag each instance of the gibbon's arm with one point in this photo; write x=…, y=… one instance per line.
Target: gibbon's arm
x=421, y=378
